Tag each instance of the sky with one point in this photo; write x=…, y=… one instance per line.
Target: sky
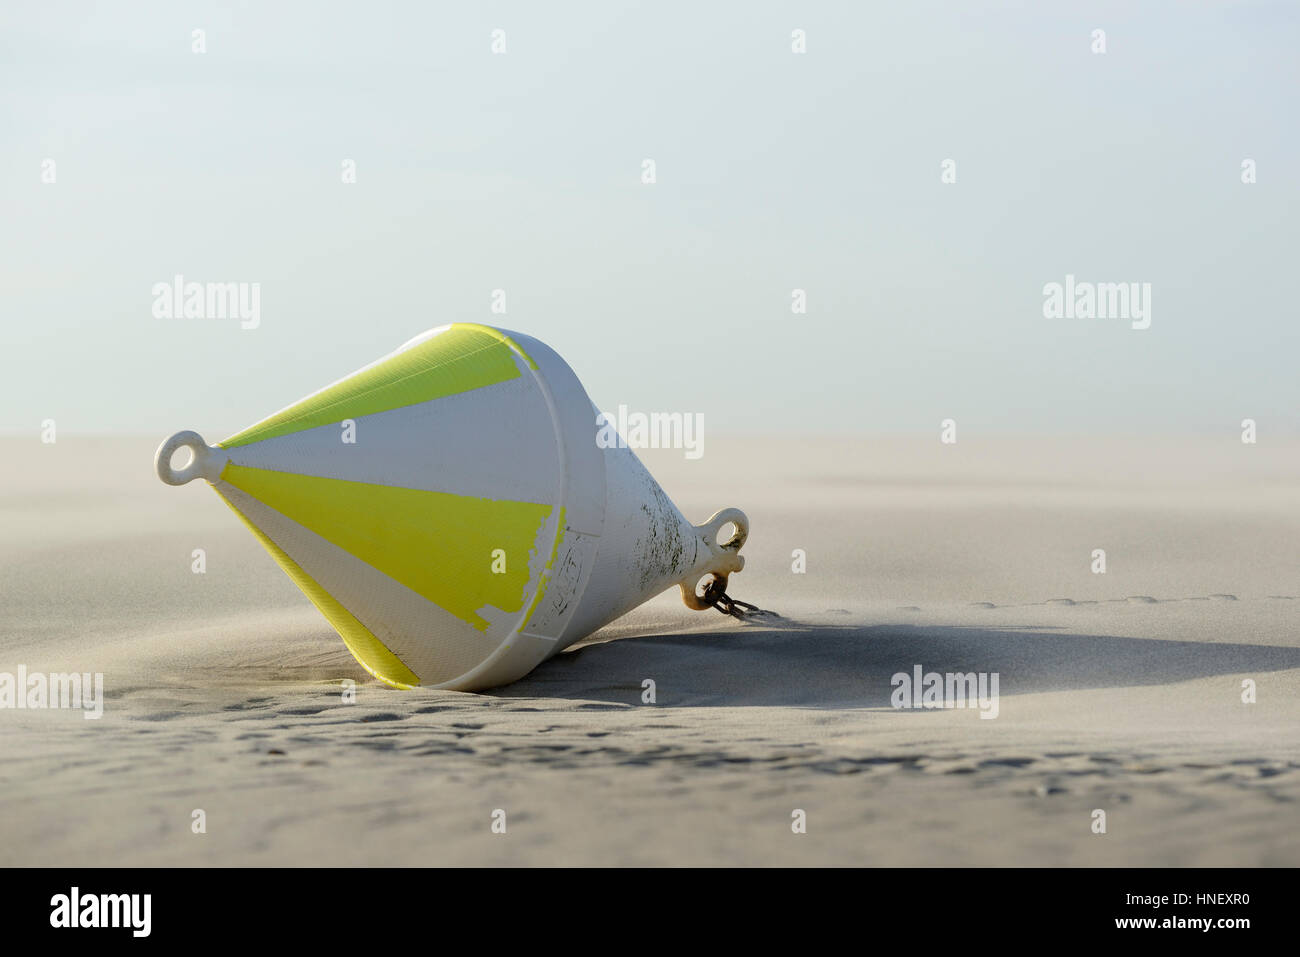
x=774, y=171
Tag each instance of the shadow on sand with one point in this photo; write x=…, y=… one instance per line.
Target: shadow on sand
x=813, y=666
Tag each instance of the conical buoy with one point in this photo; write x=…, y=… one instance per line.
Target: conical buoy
x=450, y=512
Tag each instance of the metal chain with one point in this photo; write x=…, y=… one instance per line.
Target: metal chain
x=716, y=596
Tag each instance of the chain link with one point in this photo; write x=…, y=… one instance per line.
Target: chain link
x=715, y=595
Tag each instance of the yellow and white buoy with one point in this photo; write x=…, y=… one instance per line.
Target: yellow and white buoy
x=449, y=510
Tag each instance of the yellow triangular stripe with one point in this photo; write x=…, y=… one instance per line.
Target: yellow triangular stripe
x=437, y=544
x=365, y=647
x=467, y=356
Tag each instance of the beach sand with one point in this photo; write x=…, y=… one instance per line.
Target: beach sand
x=1119, y=692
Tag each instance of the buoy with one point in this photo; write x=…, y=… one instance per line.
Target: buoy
x=449, y=511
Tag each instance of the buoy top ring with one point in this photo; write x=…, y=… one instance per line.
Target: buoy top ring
x=723, y=558
x=207, y=462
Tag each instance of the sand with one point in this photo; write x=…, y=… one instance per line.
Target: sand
x=1119, y=692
